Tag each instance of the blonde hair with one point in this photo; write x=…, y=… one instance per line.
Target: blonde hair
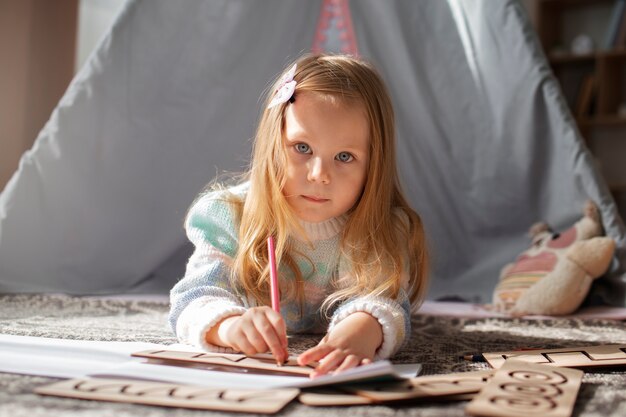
x=383, y=237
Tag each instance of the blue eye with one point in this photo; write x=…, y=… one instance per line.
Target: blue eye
x=302, y=148
x=344, y=157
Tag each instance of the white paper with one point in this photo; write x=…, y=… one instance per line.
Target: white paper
x=63, y=358
x=373, y=370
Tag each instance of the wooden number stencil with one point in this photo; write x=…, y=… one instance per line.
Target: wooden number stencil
x=576, y=357
x=522, y=389
x=258, y=362
x=424, y=387
x=330, y=397
x=172, y=395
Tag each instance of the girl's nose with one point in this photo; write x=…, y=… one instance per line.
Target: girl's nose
x=318, y=172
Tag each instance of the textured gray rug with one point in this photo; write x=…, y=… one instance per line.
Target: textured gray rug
x=436, y=343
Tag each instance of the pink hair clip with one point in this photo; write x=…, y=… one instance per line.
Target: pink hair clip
x=285, y=89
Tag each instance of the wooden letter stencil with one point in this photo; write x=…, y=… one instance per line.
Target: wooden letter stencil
x=521, y=389
x=449, y=387
x=424, y=387
x=576, y=357
x=258, y=362
x=268, y=401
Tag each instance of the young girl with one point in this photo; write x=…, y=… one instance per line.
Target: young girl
x=351, y=252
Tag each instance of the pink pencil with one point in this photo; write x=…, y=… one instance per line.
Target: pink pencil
x=273, y=275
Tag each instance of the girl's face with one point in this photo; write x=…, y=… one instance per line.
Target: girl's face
x=327, y=148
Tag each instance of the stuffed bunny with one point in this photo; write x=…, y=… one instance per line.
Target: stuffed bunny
x=554, y=275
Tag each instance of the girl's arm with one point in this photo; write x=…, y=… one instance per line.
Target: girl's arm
x=364, y=328
x=205, y=310
x=204, y=297
x=392, y=315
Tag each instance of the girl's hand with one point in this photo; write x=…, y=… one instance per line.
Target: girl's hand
x=352, y=342
x=256, y=331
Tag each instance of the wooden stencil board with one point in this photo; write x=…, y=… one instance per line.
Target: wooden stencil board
x=575, y=357
x=431, y=386
x=449, y=387
x=172, y=395
x=330, y=397
x=522, y=389
x=259, y=362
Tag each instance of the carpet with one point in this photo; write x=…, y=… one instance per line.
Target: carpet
x=436, y=342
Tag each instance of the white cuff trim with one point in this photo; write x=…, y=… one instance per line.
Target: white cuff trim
x=200, y=316
x=388, y=313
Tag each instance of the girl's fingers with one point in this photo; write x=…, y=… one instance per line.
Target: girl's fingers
x=259, y=330
x=366, y=361
x=240, y=342
x=279, y=326
x=253, y=337
x=314, y=354
x=330, y=362
x=350, y=361
x=270, y=337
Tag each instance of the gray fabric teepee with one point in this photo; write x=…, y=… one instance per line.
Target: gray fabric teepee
x=171, y=96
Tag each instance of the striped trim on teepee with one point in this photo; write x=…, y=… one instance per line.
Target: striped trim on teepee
x=335, y=18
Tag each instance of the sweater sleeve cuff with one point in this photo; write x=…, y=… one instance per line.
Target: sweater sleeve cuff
x=389, y=314
x=200, y=316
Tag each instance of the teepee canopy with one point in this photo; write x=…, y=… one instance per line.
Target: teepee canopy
x=171, y=96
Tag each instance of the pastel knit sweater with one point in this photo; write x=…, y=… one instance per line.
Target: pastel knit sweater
x=204, y=296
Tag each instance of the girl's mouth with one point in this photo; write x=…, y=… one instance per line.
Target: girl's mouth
x=315, y=199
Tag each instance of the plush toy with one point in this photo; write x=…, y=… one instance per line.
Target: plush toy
x=554, y=275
